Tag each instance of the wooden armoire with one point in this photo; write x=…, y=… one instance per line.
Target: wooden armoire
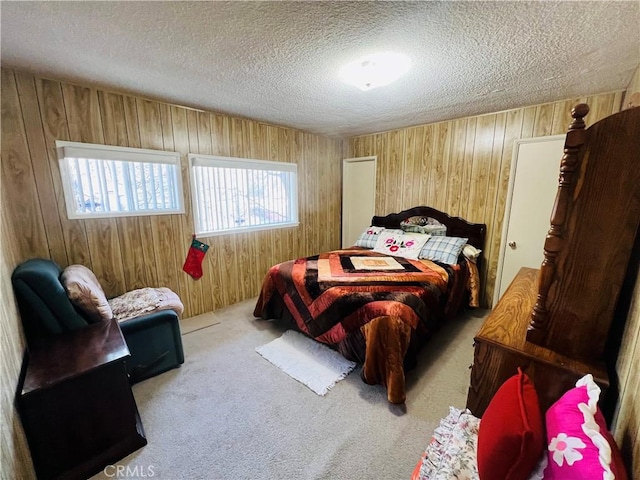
x=554, y=322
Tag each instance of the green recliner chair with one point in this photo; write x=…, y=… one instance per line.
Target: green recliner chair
x=154, y=339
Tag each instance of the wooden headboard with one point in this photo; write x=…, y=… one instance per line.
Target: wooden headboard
x=456, y=226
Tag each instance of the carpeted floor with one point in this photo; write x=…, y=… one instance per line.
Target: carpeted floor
x=227, y=413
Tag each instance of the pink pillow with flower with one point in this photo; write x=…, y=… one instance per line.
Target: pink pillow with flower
x=402, y=244
x=579, y=445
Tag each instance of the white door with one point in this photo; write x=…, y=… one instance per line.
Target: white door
x=533, y=185
x=358, y=197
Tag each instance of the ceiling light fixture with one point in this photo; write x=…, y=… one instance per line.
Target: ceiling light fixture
x=375, y=70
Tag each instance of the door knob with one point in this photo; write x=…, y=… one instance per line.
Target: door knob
x=513, y=245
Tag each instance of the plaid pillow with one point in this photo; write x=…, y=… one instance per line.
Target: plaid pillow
x=443, y=249
x=369, y=237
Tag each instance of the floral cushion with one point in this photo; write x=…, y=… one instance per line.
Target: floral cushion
x=451, y=453
x=407, y=245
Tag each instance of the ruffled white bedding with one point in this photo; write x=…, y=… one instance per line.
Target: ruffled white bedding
x=451, y=453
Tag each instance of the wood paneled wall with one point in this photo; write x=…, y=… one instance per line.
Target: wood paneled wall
x=15, y=460
x=133, y=252
x=632, y=95
x=626, y=423
x=462, y=166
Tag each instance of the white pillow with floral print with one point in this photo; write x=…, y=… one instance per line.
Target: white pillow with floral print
x=403, y=244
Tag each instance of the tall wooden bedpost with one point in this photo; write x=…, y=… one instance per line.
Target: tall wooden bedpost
x=555, y=238
x=557, y=321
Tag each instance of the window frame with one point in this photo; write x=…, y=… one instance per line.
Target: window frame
x=233, y=162
x=116, y=153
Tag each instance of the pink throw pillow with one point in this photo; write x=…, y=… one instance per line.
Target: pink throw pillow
x=579, y=445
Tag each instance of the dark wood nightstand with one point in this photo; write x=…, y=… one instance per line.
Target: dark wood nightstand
x=76, y=404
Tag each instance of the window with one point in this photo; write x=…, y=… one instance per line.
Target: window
x=235, y=194
x=106, y=181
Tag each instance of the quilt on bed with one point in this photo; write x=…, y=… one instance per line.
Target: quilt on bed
x=333, y=295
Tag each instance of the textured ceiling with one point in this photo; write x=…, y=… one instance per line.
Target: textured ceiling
x=278, y=61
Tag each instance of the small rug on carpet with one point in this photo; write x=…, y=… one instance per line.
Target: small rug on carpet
x=311, y=363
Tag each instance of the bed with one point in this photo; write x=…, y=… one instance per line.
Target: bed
x=376, y=308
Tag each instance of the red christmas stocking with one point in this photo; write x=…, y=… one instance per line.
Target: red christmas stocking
x=193, y=263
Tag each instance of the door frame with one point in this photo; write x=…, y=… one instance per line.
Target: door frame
x=369, y=158
x=509, y=200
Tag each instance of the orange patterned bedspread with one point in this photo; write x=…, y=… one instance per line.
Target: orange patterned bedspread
x=329, y=297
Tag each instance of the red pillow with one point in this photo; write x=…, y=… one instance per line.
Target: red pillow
x=511, y=436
